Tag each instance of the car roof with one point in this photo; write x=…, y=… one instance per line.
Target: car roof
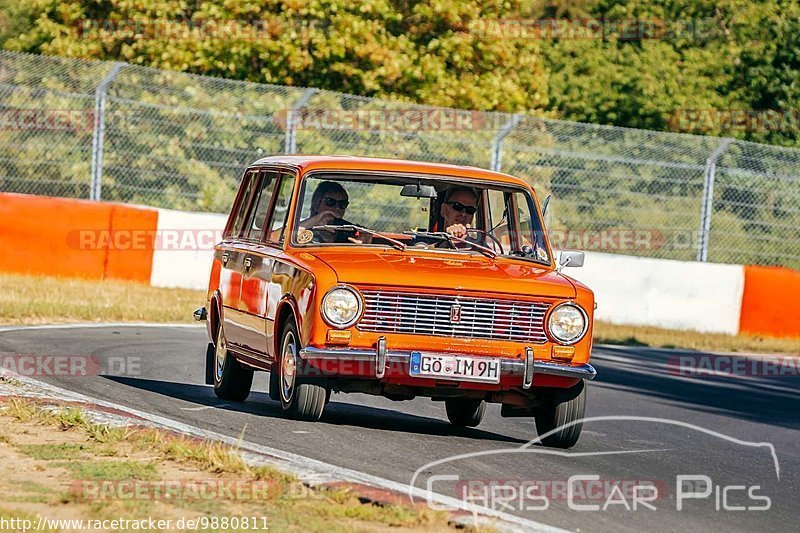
x=305, y=163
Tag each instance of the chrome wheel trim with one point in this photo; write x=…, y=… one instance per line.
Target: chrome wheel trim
x=288, y=367
x=220, y=350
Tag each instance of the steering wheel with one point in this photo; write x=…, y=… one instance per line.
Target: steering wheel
x=487, y=234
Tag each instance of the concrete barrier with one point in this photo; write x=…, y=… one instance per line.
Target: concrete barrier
x=185, y=247
x=641, y=291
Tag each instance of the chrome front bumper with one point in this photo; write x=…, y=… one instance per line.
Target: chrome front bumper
x=526, y=368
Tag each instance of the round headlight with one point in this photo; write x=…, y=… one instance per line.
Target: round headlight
x=341, y=307
x=568, y=323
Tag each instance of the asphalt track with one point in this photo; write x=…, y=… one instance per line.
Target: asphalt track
x=675, y=426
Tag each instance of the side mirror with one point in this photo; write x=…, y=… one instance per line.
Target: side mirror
x=416, y=190
x=568, y=258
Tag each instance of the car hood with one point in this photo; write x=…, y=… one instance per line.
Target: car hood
x=432, y=270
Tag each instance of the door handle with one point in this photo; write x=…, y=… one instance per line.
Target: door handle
x=248, y=262
x=225, y=258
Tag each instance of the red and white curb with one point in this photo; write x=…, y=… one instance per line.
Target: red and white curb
x=309, y=471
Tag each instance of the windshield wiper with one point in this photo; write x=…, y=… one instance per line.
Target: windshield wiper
x=352, y=227
x=441, y=235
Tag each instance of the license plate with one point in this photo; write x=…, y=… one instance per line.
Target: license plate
x=456, y=367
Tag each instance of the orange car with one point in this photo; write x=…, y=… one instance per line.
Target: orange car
x=401, y=279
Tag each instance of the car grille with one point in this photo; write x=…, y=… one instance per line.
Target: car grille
x=430, y=314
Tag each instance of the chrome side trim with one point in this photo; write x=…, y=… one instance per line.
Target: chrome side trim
x=507, y=367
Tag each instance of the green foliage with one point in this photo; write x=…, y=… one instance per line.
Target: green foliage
x=175, y=140
x=405, y=51
x=697, y=54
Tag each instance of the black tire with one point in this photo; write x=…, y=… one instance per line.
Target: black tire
x=300, y=398
x=465, y=412
x=563, y=407
x=232, y=380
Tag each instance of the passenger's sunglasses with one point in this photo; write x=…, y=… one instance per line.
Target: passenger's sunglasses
x=330, y=202
x=458, y=206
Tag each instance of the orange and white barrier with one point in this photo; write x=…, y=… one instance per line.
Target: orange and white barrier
x=74, y=238
x=165, y=248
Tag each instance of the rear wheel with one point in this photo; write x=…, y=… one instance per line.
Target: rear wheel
x=232, y=380
x=563, y=408
x=465, y=412
x=300, y=398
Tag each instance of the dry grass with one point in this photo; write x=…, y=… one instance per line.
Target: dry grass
x=43, y=438
x=42, y=300
x=664, y=338
x=47, y=300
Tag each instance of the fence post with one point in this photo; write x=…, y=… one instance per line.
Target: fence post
x=290, y=143
x=497, y=143
x=707, y=205
x=99, y=132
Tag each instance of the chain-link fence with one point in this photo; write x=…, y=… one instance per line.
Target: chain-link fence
x=119, y=132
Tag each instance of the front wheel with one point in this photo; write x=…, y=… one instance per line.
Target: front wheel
x=232, y=380
x=562, y=414
x=300, y=398
x=464, y=412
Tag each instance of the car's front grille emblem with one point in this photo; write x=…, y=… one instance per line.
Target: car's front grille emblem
x=455, y=313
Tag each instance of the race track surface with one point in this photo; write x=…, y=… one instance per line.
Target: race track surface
x=164, y=376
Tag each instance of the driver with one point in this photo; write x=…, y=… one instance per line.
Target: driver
x=458, y=207
x=328, y=205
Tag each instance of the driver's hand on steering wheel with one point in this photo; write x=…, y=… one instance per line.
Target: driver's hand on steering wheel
x=322, y=218
x=458, y=230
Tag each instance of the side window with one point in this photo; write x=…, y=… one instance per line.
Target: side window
x=530, y=226
x=524, y=215
x=258, y=215
x=246, y=191
x=497, y=219
x=277, y=225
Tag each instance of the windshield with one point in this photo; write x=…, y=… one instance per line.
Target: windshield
x=371, y=210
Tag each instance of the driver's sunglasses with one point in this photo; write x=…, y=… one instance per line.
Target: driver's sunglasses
x=330, y=202
x=458, y=206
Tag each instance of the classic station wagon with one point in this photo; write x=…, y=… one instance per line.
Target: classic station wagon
x=401, y=279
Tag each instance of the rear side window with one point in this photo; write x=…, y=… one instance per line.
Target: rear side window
x=249, y=181
x=258, y=215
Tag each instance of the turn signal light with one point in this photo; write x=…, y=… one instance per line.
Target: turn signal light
x=337, y=336
x=563, y=352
